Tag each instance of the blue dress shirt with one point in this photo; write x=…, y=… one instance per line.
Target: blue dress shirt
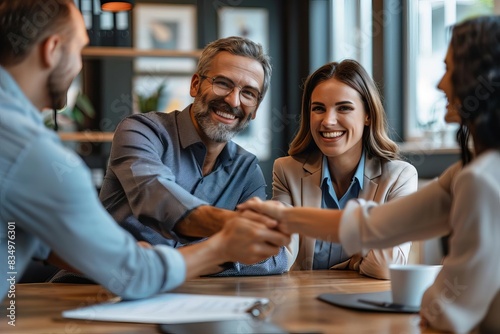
x=328, y=254
x=47, y=198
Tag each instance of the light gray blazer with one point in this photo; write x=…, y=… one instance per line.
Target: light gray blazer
x=296, y=182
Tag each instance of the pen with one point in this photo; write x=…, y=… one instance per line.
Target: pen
x=382, y=304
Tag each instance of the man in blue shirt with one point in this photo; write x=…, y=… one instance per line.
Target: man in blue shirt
x=174, y=178
x=48, y=206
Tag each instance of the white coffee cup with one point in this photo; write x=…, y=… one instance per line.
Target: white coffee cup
x=409, y=282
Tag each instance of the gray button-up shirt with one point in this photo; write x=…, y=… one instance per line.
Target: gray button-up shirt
x=155, y=178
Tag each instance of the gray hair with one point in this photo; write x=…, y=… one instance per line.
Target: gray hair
x=238, y=46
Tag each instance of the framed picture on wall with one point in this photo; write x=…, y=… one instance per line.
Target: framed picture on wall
x=252, y=23
x=164, y=27
x=161, y=93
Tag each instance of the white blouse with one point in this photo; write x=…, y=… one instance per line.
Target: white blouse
x=464, y=202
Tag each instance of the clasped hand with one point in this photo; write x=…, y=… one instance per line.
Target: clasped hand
x=269, y=212
x=252, y=236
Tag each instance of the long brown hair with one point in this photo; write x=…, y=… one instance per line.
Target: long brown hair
x=376, y=142
x=475, y=46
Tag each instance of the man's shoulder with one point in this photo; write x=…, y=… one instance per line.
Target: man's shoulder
x=239, y=152
x=21, y=132
x=154, y=116
x=156, y=122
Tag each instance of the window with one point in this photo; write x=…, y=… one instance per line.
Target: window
x=346, y=27
x=351, y=31
x=428, y=23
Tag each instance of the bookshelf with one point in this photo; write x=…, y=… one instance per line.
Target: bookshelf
x=131, y=53
x=126, y=54
x=87, y=136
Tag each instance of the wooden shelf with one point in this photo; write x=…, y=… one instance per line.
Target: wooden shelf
x=120, y=52
x=87, y=136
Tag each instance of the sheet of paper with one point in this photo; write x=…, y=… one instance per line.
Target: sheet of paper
x=170, y=308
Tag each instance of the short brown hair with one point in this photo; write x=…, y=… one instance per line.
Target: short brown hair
x=25, y=23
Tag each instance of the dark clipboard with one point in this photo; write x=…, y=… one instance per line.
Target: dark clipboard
x=374, y=301
x=249, y=326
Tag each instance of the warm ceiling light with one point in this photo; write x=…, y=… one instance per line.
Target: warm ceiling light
x=116, y=6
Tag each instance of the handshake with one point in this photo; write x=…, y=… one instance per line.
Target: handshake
x=259, y=228
x=253, y=232
x=256, y=231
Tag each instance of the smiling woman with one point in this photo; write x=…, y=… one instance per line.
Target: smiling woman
x=342, y=151
x=462, y=202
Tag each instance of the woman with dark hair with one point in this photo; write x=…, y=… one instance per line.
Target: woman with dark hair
x=464, y=201
x=342, y=151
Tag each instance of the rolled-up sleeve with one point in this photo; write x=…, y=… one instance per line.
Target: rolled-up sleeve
x=149, y=185
x=70, y=220
x=175, y=260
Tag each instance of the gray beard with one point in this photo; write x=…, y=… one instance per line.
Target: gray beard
x=218, y=132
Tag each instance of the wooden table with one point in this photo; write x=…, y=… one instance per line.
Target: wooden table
x=293, y=295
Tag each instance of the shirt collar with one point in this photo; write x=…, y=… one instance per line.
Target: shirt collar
x=187, y=132
x=189, y=136
x=358, y=175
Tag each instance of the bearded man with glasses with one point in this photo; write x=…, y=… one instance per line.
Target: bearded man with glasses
x=176, y=178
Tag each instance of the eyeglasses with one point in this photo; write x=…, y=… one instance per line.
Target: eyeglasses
x=222, y=86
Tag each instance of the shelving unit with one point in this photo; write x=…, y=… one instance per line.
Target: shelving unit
x=87, y=136
x=118, y=52
x=124, y=53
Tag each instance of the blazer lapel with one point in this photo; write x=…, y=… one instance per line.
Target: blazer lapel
x=311, y=190
x=373, y=170
x=311, y=197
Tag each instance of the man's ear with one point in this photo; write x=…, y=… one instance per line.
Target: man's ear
x=254, y=113
x=195, y=85
x=50, y=50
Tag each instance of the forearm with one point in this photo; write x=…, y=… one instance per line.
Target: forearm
x=201, y=259
x=241, y=240
x=421, y=215
x=312, y=222
x=204, y=221
x=317, y=223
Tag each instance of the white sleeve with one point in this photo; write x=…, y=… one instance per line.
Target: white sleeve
x=421, y=215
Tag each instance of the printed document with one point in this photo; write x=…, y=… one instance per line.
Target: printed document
x=171, y=308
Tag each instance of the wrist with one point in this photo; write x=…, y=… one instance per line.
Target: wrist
x=203, y=221
x=285, y=219
x=216, y=249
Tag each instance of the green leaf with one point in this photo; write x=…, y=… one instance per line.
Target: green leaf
x=84, y=105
